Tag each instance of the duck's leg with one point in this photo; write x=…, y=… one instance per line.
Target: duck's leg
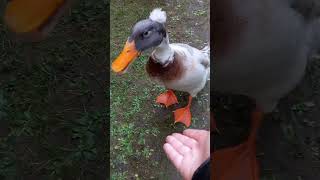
x=238, y=162
x=168, y=98
x=183, y=115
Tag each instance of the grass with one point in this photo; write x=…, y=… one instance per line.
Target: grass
x=131, y=125
x=199, y=12
x=50, y=126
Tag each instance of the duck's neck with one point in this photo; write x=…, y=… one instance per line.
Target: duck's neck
x=163, y=53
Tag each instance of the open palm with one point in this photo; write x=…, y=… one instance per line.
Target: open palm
x=187, y=151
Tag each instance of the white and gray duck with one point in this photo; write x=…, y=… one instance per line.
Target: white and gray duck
x=261, y=50
x=177, y=66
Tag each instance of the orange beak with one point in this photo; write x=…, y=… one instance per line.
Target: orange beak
x=26, y=16
x=127, y=56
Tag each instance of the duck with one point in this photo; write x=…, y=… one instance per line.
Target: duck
x=176, y=66
x=261, y=50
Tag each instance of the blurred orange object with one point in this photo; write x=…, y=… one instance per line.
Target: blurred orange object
x=25, y=16
x=239, y=162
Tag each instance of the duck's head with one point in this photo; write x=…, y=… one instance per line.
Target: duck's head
x=146, y=34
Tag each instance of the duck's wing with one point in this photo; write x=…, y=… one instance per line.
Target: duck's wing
x=202, y=56
x=206, y=61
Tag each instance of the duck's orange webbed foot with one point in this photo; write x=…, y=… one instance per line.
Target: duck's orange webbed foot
x=168, y=98
x=183, y=115
x=239, y=162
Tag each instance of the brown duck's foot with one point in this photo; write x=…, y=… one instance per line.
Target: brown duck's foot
x=239, y=162
x=183, y=115
x=168, y=98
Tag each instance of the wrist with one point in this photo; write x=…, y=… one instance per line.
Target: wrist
x=203, y=171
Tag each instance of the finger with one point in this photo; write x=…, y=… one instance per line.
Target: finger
x=177, y=145
x=190, y=142
x=173, y=155
x=196, y=134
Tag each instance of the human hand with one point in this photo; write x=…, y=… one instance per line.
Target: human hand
x=187, y=151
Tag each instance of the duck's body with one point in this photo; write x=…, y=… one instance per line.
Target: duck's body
x=176, y=66
x=188, y=71
x=267, y=54
x=261, y=50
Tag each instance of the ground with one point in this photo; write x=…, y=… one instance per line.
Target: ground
x=290, y=138
x=52, y=99
x=138, y=125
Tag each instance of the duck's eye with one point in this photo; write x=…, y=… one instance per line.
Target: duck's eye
x=146, y=33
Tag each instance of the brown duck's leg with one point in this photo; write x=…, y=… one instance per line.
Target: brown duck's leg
x=168, y=98
x=239, y=162
x=183, y=115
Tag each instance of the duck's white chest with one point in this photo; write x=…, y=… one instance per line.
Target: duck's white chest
x=187, y=71
x=193, y=80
